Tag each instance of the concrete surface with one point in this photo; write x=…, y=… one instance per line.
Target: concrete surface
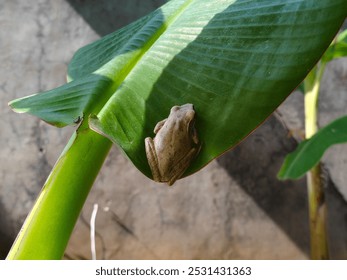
x=232, y=209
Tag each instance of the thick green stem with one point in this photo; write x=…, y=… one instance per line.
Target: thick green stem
x=316, y=198
x=48, y=227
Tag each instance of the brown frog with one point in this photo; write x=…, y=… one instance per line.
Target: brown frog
x=175, y=145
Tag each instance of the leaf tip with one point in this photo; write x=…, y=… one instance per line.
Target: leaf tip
x=281, y=175
x=17, y=106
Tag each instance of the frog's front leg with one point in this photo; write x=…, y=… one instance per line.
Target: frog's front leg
x=159, y=125
x=152, y=159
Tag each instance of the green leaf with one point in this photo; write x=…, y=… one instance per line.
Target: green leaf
x=310, y=151
x=236, y=61
x=337, y=49
x=66, y=104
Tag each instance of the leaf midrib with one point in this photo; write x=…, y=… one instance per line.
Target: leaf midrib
x=131, y=64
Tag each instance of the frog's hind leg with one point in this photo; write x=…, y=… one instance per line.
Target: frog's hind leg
x=152, y=159
x=181, y=167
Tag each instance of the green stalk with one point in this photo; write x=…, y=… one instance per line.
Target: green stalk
x=316, y=198
x=48, y=227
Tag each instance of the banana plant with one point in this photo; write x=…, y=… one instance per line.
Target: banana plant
x=234, y=60
x=306, y=158
x=310, y=151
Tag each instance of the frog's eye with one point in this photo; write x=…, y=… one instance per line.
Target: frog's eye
x=175, y=108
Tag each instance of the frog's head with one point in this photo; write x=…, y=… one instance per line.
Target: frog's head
x=185, y=115
x=185, y=112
